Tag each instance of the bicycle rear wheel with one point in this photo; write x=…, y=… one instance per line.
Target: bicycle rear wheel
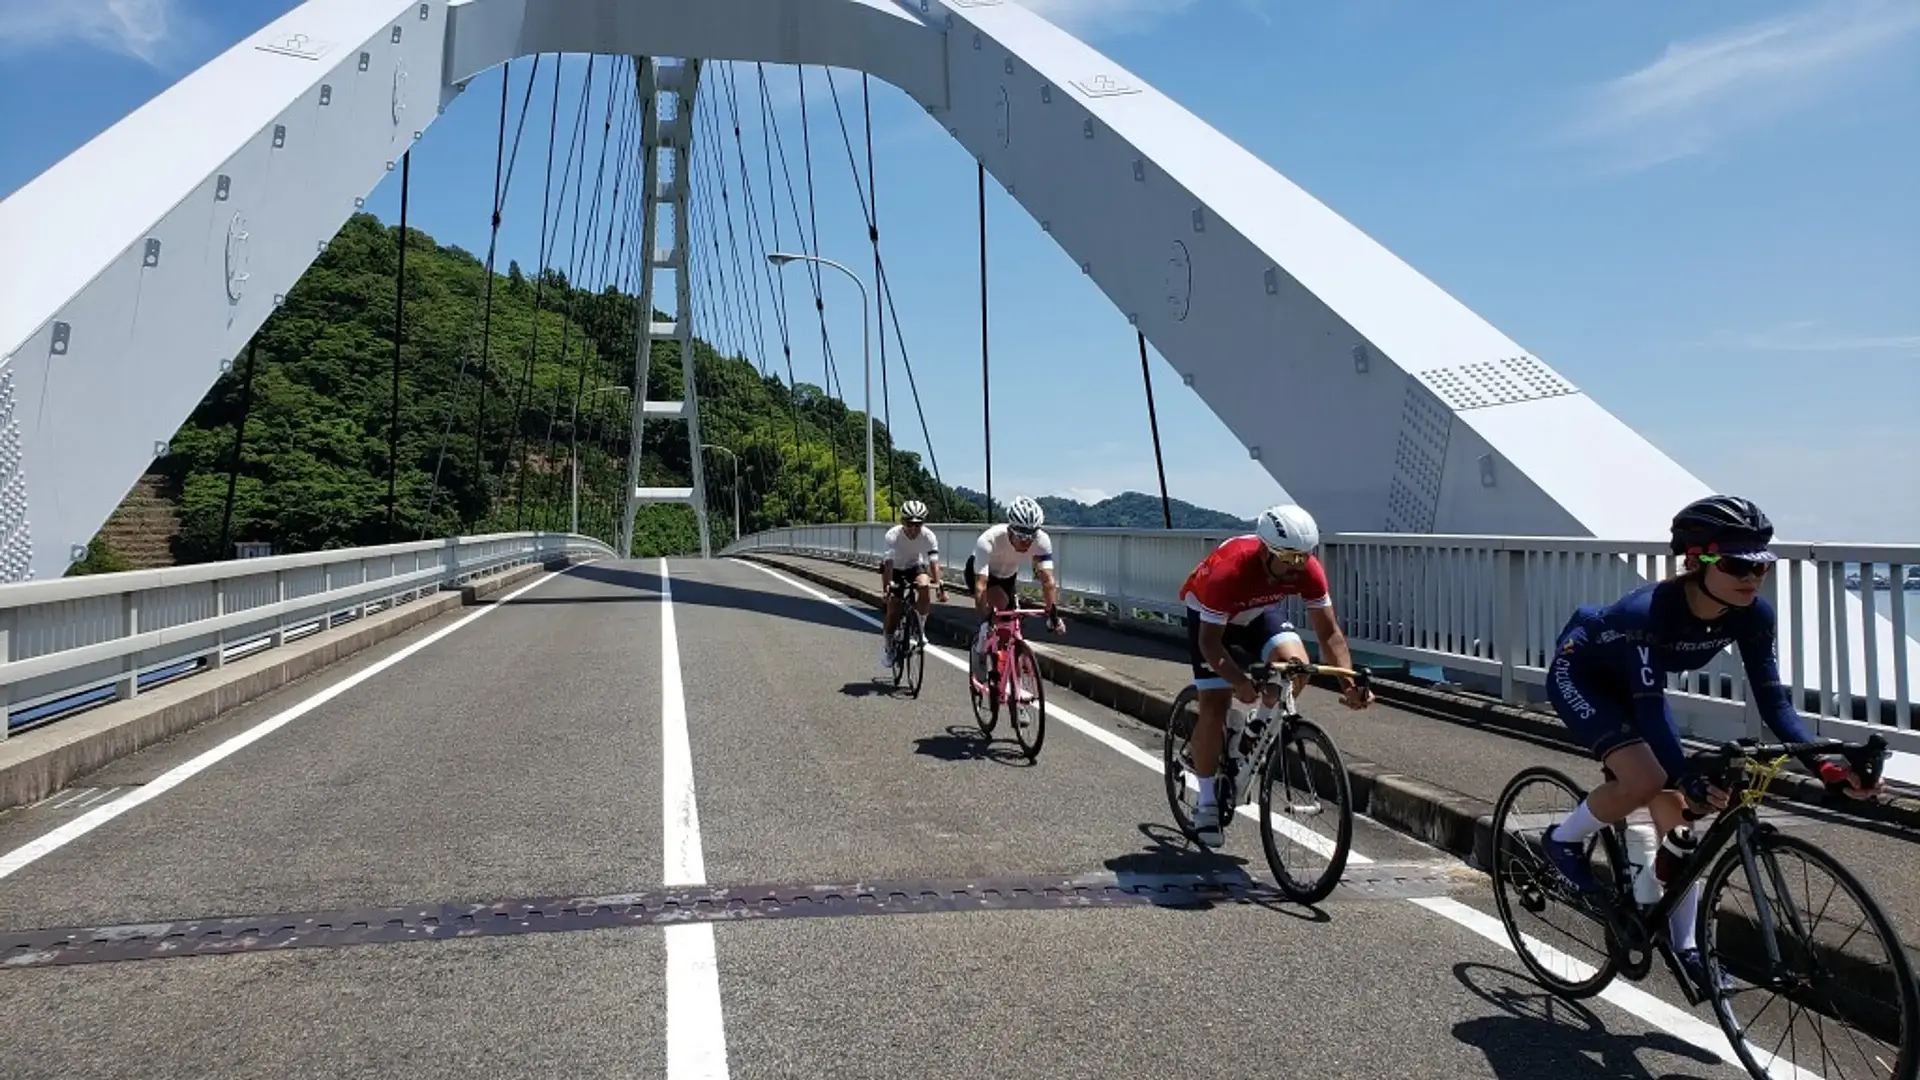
x=986, y=706
x=913, y=642
x=1292, y=762
x=1524, y=881
x=1827, y=967
x=1027, y=683
x=1173, y=759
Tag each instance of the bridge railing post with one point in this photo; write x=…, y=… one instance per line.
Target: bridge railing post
x=1510, y=627
x=129, y=682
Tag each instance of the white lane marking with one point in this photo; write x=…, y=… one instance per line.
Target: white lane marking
x=696, y=1032
x=19, y=857
x=1669, y=1018
x=1250, y=811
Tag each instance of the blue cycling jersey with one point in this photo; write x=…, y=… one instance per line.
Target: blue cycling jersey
x=1628, y=645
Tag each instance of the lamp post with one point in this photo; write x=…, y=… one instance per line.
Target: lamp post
x=779, y=258
x=736, y=484
x=574, y=452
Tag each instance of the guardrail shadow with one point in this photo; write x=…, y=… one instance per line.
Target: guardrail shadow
x=648, y=587
x=1540, y=1034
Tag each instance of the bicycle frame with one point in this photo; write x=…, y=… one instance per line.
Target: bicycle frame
x=999, y=652
x=1636, y=928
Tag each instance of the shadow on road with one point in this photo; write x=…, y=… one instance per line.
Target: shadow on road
x=1170, y=859
x=967, y=744
x=1543, y=1035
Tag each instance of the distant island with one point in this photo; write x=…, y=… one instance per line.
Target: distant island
x=1127, y=510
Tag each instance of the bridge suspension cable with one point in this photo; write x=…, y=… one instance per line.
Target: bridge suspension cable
x=399, y=334
x=884, y=289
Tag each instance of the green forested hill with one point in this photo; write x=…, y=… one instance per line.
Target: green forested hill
x=313, y=472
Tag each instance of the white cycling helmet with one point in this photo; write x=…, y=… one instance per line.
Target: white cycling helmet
x=913, y=510
x=1025, y=515
x=1287, y=528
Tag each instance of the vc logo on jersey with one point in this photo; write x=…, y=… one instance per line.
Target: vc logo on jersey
x=1646, y=666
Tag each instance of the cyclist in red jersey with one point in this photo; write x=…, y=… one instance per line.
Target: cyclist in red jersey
x=1233, y=603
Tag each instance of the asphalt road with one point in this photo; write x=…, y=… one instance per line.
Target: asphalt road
x=594, y=737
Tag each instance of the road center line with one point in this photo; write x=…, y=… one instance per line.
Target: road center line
x=19, y=857
x=1667, y=1017
x=696, y=1032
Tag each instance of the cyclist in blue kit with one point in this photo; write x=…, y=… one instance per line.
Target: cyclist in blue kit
x=1607, y=685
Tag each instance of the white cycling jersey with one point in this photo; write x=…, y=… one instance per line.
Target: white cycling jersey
x=994, y=555
x=911, y=552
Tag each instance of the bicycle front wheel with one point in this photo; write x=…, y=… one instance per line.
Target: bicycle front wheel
x=1027, y=711
x=1314, y=795
x=914, y=643
x=1833, y=956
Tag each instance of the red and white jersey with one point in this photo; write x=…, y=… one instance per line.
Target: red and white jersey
x=1232, y=585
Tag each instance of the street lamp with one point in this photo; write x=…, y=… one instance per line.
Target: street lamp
x=574, y=452
x=736, y=484
x=779, y=258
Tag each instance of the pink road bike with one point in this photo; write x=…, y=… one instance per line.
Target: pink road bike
x=1013, y=679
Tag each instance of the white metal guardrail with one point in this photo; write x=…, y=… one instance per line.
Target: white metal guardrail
x=1488, y=608
x=71, y=642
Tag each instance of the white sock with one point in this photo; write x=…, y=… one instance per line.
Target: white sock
x=1206, y=791
x=1682, y=924
x=1577, y=826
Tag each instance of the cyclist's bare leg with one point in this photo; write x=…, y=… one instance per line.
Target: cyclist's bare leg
x=1287, y=646
x=992, y=598
x=924, y=603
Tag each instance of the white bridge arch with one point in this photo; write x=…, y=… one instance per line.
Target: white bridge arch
x=137, y=267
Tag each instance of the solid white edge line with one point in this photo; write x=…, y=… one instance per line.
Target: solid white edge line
x=1667, y=1017
x=19, y=857
x=1250, y=811
x=696, y=1029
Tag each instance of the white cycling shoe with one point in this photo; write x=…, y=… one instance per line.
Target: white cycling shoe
x=1206, y=824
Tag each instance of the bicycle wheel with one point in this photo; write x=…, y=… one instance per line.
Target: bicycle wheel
x=986, y=706
x=1522, y=875
x=1867, y=989
x=1290, y=762
x=914, y=643
x=1027, y=684
x=1173, y=759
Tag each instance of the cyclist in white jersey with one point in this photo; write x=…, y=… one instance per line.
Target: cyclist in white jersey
x=912, y=557
x=998, y=556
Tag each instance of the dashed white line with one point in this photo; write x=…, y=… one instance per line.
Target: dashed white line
x=696, y=1032
x=1669, y=1018
x=14, y=860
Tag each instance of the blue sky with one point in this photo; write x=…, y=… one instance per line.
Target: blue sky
x=1704, y=215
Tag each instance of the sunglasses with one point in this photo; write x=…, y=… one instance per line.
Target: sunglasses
x=1022, y=535
x=1735, y=567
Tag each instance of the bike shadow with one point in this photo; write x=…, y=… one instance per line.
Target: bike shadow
x=1541, y=1034
x=967, y=744
x=876, y=686
x=1176, y=873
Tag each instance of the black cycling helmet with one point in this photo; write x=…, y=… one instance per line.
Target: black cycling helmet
x=1722, y=525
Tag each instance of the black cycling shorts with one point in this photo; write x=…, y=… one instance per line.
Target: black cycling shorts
x=1246, y=643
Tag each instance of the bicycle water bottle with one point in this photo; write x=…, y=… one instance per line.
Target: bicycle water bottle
x=1256, y=724
x=1675, y=850
x=1642, y=843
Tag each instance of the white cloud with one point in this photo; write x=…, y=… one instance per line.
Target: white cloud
x=1086, y=494
x=1085, y=17
x=1700, y=93
x=1800, y=337
x=1805, y=336
x=147, y=30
